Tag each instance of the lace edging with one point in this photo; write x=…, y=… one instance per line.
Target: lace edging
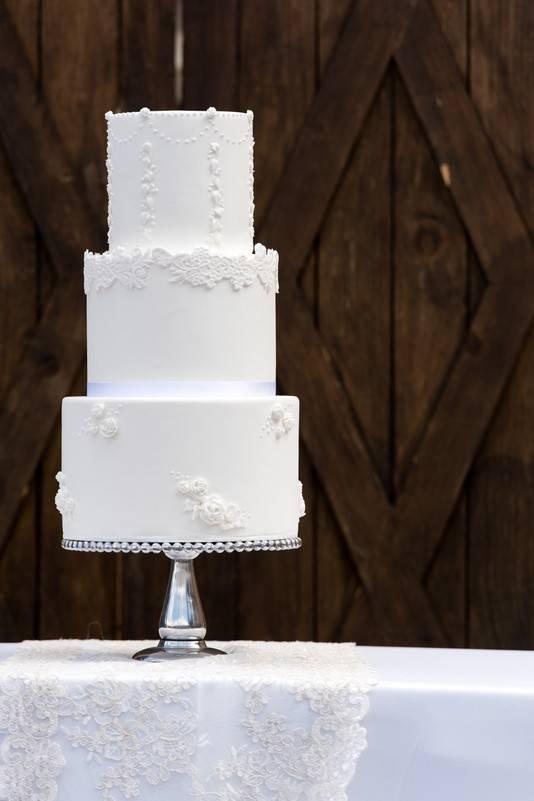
x=142, y=731
x=201, y=267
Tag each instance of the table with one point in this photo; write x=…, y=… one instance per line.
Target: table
x=448, y=725
x=443, y=725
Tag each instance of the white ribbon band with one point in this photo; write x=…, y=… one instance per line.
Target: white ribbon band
x=181, y=389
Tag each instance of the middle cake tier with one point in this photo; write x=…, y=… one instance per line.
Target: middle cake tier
x=181, y=325
x=160, y=470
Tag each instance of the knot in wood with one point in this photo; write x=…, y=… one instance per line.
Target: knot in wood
x=428, y=240
x=44, y=358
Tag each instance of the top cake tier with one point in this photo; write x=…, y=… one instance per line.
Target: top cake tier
x=181, y=180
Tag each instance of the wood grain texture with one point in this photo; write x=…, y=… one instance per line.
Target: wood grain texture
x=331, y=404
x=304, y=360
x=354, y=317
x=434, y=82
x=501, y=497
x=211, y=54
x=147, y=65
x=430, y=294
x=19, y=301
x=354, y=71
x=430, y=312
x=488, y=354
x=275, y=589
x=340, y=453
x=411, y=535
x=79, y=83
x=446, y=577
x=51, y=358
x=464, y=410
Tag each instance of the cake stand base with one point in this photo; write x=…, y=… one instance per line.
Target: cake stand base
x=182, y=625
x=167, y=650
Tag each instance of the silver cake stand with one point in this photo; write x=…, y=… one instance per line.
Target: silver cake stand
x=182, y=624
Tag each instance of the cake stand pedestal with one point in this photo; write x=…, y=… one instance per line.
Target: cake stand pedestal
x=182, y=624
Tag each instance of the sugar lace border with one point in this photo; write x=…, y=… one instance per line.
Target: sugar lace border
x=200, y=267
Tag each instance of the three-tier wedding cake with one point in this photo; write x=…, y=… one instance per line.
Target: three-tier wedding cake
x=181, y=438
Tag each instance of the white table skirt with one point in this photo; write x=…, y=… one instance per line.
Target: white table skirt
x=448, y=725
x=443, y=725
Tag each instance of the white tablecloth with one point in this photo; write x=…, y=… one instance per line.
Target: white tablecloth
x=443, y=725
x=81, y=721
x=448, y=725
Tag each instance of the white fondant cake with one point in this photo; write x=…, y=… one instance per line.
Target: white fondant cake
x=182, y=438
x=188, y=470
x=181, y=180
x=158, y=320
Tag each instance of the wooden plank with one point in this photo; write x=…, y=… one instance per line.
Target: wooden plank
x=79, y=86
x=446, y=578
x=211, y=54
x=143, y=582
x=148, y=28
x=405, y=546
x=211, y=79
x=368, y=39
x=354, y=317
x=501, y=498
x=276, y=589
x=18, y=314
x=355, y=281
x=455, y=431
x=430, y=313
x=309, y=525
x=305, y=366
x=401, y=605
x=436, y=87
x=51, y=359
x=296, y=312
x=147, y=70
x=481, y=369
x=430, y=283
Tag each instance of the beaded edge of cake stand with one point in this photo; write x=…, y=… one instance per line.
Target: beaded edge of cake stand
x=186, y=547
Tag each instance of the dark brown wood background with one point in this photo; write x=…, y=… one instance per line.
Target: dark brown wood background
x=394, y=158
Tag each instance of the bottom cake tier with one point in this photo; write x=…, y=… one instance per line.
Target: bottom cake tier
x=160, y=470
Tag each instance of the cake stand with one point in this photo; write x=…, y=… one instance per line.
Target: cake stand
x=182, y=624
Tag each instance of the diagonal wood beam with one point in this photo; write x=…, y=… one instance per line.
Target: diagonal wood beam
x=369, y=39
x=445, y=110
x=53, y=192
x=413, y=530
x=57, y=202
x=502, y=241
x=352, y=77
x=460, y=421
x=406, y=542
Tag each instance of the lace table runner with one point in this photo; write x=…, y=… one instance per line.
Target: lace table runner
x=267, y=722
